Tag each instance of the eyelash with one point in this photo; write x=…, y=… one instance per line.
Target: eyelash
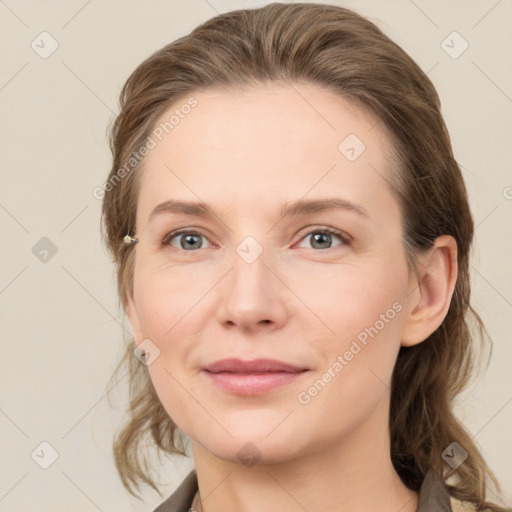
x=345, y=239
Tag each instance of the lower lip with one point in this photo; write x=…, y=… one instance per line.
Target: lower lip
x=251, y=384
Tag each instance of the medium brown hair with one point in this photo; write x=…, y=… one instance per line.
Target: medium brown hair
x=341, y=51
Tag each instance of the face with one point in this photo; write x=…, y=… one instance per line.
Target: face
x=321, y=289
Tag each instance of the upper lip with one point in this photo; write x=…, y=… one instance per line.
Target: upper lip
x=254, y=366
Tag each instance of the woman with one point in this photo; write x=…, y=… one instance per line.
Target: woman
x=291, y=234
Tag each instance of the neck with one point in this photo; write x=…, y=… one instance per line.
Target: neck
x=354, y=474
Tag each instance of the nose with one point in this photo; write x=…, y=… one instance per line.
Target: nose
x=253, y=296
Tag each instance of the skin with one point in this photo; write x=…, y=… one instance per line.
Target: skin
x=246, y=154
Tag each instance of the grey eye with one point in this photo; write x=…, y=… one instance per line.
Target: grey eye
x=187, y=240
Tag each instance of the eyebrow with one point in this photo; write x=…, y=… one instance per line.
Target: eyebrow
x=293, y=209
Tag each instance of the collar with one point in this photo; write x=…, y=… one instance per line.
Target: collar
x=433, y=495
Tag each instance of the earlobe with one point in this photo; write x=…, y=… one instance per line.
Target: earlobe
x=432, y=291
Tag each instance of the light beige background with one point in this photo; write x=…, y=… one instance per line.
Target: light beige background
x=60, y=327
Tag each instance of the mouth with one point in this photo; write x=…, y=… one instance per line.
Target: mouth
x=256, y=366
x=249, y=378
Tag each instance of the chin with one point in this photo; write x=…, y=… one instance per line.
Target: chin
x=250, y=451
x=250, y=444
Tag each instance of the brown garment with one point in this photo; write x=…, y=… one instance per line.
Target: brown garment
x=433, y=496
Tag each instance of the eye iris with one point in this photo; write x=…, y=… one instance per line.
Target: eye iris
x=188, y=238
x=319, y=238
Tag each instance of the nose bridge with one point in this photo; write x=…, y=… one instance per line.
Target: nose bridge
x=249, y=250
x=255, y=260
x=252, y=294
x=250, y=266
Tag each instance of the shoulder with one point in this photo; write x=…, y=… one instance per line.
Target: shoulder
x=181, y=499
x=463, y=506
x=435, y=496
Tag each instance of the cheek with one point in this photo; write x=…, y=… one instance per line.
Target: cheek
x=357, y=364
x=367, y=318
x=353, y=300
x=164, y=296
x=174, y=391
x=166, y=310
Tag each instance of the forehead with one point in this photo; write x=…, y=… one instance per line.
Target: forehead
x=305, y=114
x=271, y=140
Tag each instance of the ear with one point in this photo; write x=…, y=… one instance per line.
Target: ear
x=431, y=291
x=133, y=316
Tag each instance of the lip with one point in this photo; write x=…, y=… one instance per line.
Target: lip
x=249, y=378
x=233, y=365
